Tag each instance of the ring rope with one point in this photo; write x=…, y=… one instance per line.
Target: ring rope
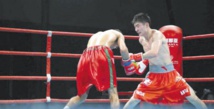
x=60, y=78
x=198, y=36
x=198, y=57
x=18, y=30
x=23, y=53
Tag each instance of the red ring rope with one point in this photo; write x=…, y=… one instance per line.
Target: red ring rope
x=23, y=53
x=18, y=30
x=48, y=54
x=60, y=78
x=198, y=36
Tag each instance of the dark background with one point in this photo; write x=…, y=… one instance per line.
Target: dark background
x=193, y=16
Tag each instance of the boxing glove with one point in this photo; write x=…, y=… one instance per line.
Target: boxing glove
x=137, y=57
x=130, y=66
x=141, y=67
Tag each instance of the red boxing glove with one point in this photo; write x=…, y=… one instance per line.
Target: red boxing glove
x=137, y=57
x=141, y=67
x=130, y=66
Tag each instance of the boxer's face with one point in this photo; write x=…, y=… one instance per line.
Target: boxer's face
x=140, y=28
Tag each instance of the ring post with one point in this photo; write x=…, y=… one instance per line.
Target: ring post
x=48, y=65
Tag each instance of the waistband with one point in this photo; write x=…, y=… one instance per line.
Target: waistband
x=97, y=47
x=161, y=69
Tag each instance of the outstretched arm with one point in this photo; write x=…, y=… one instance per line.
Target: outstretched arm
x=129, y=66
x=123, y=48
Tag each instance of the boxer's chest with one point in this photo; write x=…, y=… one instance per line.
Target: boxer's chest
x=146, y=44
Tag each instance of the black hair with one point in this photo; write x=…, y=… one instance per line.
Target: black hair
x=141, y=17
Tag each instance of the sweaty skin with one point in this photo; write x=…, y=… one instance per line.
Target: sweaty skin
x=112, y=39
x=156, y=48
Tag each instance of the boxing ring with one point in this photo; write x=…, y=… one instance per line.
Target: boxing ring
x=48, y=78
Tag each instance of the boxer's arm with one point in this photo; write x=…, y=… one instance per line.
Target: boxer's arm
x=155, y=46
x=123, y=48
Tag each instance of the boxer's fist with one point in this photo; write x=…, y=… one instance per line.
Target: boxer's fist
x=137, y=57
x=130, y=66
x=141, y=67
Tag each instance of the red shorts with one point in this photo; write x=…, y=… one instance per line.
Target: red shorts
x=96, y=67
x=163, y=88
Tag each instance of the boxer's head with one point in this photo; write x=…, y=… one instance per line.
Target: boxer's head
x=141, y=23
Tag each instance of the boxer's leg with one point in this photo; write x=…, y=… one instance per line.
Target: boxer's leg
x=131, y=103
x=195, y=100
x=76, y=100
x=114, y=99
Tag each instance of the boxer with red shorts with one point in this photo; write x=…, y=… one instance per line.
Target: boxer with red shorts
x=172, y=88
x=162, y=84
x=96, y=67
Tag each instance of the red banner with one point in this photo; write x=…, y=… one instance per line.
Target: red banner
x=174, y=38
